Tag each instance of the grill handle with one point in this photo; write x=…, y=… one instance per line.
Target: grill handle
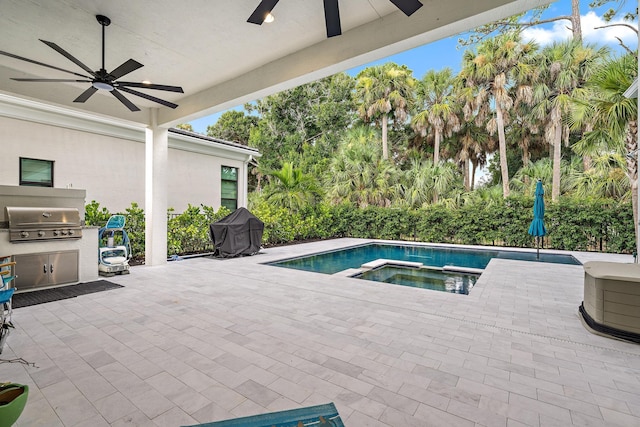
x=47, y=224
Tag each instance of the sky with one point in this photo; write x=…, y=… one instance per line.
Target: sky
x=445, y=52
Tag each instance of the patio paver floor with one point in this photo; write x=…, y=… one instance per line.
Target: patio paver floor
x=202, y=340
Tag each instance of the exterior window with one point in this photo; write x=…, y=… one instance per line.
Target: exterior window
x=37, y=173
x=229, y=188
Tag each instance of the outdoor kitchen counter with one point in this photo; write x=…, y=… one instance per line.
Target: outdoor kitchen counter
x=87, y=248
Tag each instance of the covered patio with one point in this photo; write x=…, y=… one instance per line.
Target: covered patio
x=213, y=53
x=202, y=340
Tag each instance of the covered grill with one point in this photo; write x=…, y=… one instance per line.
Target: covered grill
x=239, y=233
x=28, y=224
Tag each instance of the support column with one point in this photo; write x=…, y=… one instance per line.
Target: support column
x=156, y=165
x=245, y=185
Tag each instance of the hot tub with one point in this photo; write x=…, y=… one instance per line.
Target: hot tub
x=611, y=303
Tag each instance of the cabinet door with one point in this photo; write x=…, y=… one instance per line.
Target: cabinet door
x=32, y=271
x=63, y=267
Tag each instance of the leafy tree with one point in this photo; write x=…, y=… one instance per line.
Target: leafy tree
x=233, y=126
x=613, y=12
x=384, y=92
x=315, y=114
x=527, y=19
x=185, y=126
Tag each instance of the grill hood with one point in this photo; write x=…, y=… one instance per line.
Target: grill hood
x=29, y=223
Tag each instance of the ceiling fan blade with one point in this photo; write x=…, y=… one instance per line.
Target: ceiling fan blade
x=50, y=80
x=332, y=18
x=11, y=55
x=70, y=57
x=124, y=100
x=149, y=97
x=407, y=6
x=86, y=94
x=264, y=8
x=125, y=68
x=150, y=86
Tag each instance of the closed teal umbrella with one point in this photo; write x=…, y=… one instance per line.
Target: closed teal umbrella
x=537, y=227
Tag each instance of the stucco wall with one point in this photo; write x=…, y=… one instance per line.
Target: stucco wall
x=112, y=169
x=195, y=178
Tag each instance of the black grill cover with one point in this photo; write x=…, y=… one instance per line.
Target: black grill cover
x=239, y=233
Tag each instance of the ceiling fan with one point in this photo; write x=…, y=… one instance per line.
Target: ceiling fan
x=331, y=13
x=101, y=79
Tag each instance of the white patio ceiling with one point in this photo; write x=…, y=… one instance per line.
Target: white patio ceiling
x=208, y=48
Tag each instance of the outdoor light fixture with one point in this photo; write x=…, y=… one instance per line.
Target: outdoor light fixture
x=269, y=18
x=102, y=85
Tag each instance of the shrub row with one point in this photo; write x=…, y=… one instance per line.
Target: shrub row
x=604, y=226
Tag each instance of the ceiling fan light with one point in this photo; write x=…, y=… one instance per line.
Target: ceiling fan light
x=269, y=18
x=102, y=86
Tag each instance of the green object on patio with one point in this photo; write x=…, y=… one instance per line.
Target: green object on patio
x=316, y=416
x=537, y=227
x=13, y=398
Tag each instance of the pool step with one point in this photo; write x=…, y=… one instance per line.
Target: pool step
x=458, y=269
x=349, y=272
x=380, y=262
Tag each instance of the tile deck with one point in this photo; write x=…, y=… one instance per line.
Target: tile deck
x=202, y=340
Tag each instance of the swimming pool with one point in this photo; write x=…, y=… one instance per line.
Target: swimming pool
x=433, y=256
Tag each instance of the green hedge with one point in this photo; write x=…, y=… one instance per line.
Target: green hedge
x=605, y=226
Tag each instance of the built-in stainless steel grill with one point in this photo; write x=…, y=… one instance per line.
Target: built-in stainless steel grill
x=27, y=224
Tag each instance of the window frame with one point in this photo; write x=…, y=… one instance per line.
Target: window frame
x=28, y=183
x=222, y=180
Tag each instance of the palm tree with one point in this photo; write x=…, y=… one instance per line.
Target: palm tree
x=359, y=175
x=500, y=63
x=614, y=118
x=382, y=90
x=291, y=188
x=525, y=132
x=564, y=67
x=475, y=144
x=437, y=102
x=607, y=178
x=524, y=181
x=425, y=181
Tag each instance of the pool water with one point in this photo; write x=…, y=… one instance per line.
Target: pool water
x=457, y=283
x=433, y=256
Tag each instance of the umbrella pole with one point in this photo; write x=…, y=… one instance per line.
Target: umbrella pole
x=538, y=245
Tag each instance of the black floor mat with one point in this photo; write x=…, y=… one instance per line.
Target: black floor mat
x=26, y=299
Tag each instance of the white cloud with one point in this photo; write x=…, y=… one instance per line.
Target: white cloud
x=545, y=36
x=559, y=31
x=606, y=35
